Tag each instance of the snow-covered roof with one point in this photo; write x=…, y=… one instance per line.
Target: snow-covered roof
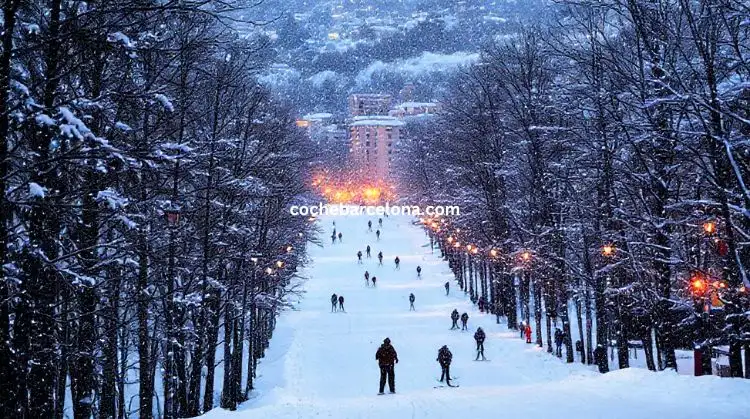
x=407, y=105
x=376, y=120
x=317, y=116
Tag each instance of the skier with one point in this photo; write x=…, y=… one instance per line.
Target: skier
x=380, y=222
x=377, y=234
x=359, y=257
x=600, y=358
x=579, y=349
x=454, y=317
x=419, y=271
x=397, y=261
x=447, y=287
x=528, y=333
x=374, y=278
x=464, y=319
x=411, y=302
x=368, y=252
x=481, y=304
x=341, y=303
x=522, y=328
x=387, y=357
x=334, y=299
x=479, y=337
x=367, y=278
x=369, y=225
x=333, y=238
x=444, y=358
x=558, y=342
x=380, y=258
x=339, y=237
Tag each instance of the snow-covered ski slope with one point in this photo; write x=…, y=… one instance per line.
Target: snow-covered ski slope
x=322, y=364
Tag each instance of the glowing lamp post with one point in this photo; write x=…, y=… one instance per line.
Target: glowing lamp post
x=279, y=264
x=608, y=250
x=450, y=239
x=709, y=227
x=493, y=253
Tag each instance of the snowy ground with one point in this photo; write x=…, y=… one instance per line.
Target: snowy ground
x=322, y=364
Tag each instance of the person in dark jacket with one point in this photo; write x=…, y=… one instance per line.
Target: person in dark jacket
x=341, y=303
x=387, y=358
x=600, y=358
x=380, y=258
x=411, y=302
x=374, y=278
x=479, y=337
x=447, y=287
x=377, y=234
x=359, y=257
x=419, y=271
x=380, y=222
x=368, y=252
x=333, y=238
x=454, y=317
x=339, y=237
x=480, y=303
x=558, y=342
x=334, y=300
x=369, y=225
x=444, y=358
x=367, y=278
x=464, y=320
x=397, y=261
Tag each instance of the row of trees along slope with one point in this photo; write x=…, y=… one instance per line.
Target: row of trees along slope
x=144, y=175
x=621, y=126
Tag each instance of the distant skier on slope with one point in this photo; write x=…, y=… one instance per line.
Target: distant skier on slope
x=411, y=302
x=359, y=257
x=369, y=225
x=464, y=320
x=374, y=278
x=447, y=287
x=367, y=278
x=380, y=258
x=341, y=303
x=528, y=333
x=479, y=337
x=454, y=318
x=368, y=252
x=387, y=358
x=339, y=237
x=419, y=271
x=397, y=261
x=480, y=303
x=444, y=358
x=558, y=342
x=380, y=222
x=333, y=238
x=334, y=300
x=377, y=235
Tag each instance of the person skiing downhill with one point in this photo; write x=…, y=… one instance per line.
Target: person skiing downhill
x=444, y=358
x=398, y=262
x=368, y=252
x=480, y=303
x=334, y=300
x=333, y=238
x=367, y=278
x=377, y=234
x=447, y=287
x=387, y=358
x=419, y=271
x=374, y=278
x=341, y=303
x=380, y=222
x=528, y=333
x=411, y=302
x=359, y=257
x=479, y=337
x=454, y=318
x=380, y=258
x=464, y=320
x=369, y=225
x=339, y=237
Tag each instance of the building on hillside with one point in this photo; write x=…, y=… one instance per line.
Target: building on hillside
x=362, y=104
x=414, y=109
x=373, y=140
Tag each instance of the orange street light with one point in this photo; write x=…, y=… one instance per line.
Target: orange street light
x=698, y=285
x=475, y=250
x=608, y=250
x=456, y=244
x=526, y=256
x=493, y=253
x=279, y=264
x=289, y=249
x=709, y=227
x=450, y=239
x=468, y=247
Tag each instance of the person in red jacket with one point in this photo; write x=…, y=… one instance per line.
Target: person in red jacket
x=387, y=357
x=528, y=333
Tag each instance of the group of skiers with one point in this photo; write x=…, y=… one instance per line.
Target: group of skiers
x=367, y=279
x=337, y=307
x=464, y=320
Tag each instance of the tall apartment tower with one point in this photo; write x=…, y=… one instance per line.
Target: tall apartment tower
x=361, y=104
x=373, y=140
